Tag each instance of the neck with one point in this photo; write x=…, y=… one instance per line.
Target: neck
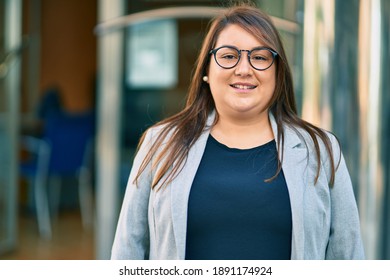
x=243, y=133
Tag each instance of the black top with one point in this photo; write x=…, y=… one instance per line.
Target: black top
x=232, y=212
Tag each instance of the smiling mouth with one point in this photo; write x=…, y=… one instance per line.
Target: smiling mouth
x=237, y=86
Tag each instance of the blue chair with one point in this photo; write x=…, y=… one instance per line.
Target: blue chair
x=65, y=150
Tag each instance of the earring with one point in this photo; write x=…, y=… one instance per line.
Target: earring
x=205, y=79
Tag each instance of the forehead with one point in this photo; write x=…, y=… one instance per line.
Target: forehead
x=236, y=36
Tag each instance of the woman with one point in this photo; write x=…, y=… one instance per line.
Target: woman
x=237, y=174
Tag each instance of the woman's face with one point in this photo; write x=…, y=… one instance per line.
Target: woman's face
x=242, y=90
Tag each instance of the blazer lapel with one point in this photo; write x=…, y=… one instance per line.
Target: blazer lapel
x=293, y=165
x=181, y=186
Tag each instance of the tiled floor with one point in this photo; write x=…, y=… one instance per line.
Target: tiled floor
x=69, y=242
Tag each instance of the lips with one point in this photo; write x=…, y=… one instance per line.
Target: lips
x=243, y=86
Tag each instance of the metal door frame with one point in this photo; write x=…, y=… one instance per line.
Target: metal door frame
x=10, y=75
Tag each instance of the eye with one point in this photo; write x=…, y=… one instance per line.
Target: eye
x=259, y=58
x=260, y=55
x=229, y=56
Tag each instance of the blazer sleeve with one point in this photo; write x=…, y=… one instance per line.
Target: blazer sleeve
x=132, y=234
x=344, y=238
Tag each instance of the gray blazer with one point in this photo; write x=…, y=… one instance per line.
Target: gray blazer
x=152, y=225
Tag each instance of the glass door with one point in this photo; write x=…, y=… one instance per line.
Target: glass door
x=10, y=42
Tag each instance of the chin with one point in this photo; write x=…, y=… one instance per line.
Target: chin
x=246, y=109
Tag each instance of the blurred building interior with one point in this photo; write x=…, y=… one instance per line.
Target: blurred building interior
x=129, y=64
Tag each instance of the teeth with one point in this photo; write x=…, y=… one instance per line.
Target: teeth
x=243, y=87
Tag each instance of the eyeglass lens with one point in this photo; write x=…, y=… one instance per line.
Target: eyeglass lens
x=228, y=57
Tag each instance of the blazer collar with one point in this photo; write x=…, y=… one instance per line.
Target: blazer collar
x=295, y=172
x=180, y=189
x=291, y=138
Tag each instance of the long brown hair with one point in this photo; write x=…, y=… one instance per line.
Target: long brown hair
x=185, y=127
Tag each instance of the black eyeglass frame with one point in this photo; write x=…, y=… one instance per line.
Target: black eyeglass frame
x=274, y=55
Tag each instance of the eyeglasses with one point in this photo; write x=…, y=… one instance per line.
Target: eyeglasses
x=259, y=58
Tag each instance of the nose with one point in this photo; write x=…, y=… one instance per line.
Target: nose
x=243, y=68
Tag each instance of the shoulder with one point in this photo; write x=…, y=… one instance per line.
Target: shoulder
x=316, y=141
x=161, y=133
x=153, y=131
x=311, y=138
x=302, y=134
x=320, y=143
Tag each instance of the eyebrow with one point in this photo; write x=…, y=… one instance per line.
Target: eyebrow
x=231, y=46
